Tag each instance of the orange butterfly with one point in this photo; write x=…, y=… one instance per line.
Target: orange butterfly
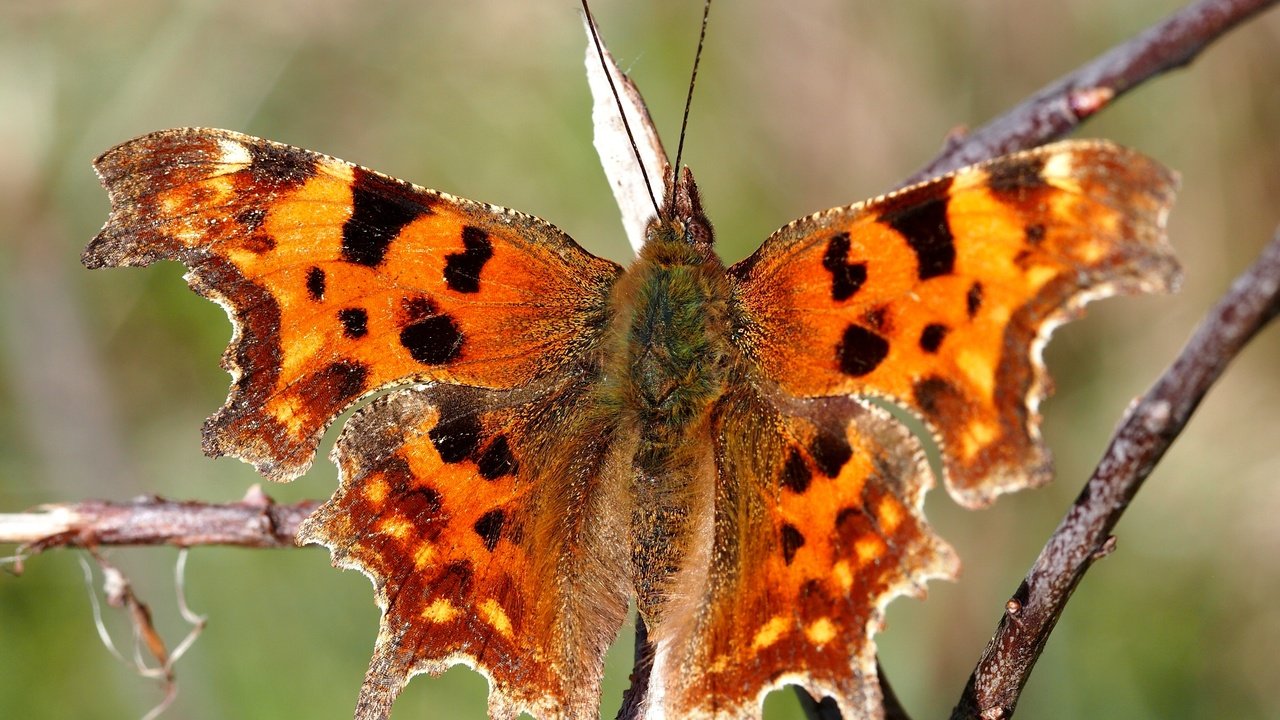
x=558, y=436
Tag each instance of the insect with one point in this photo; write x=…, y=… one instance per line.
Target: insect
x=556, y=436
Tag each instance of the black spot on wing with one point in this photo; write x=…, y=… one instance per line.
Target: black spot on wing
x=355, y=322
x=973, y=299
x=1016, y=176
x=412, y=500
x=795, y=473
x=280, y=166
x=348, y=377
x=420, y=502
x=258, y=242
x=421, y=507
x=380, y=208
x=1034, y=233
x=456, y=439
x=327, y=391
x=315, y=283
x=847, y=515
x=830, y=452
x=920, y=216
x=846, y=278
x=497, y=459
x=489, y=527
x=852, y=525
x=860, y=351
x=934, y=395
x=462, y=270
x=454, y=581
x=434, y=340
x=251, y=218
x=932, y=336
x=792, y=540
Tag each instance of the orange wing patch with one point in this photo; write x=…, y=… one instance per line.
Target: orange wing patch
x=941, y=295
x=340, y=281
x=818, y=526
x=449, y=503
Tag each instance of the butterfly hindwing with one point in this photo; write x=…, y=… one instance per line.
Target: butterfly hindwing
x=480, y=517
x=341, y=281
x=940, y=296
x=818, y=525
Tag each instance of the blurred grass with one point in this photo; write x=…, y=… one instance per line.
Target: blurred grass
x=105, y=377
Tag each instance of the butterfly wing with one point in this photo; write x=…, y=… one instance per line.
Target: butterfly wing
x=340, y=281
x=818, y=526
x=454, y=500
x=941, y=296
x=481, y=518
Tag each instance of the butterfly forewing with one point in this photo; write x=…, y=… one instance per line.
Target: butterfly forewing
x=940, y=296
x=341, y=281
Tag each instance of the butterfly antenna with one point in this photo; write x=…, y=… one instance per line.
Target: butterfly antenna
x=688, y=101
x=622, y=113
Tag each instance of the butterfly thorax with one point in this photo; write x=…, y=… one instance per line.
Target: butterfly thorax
x=668, y=360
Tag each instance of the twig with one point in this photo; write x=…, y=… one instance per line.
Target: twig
x=120, y=593
x=256, y=521
x=1083, y=536
x=828, y=710
x=1061, y=106
x=641, y=672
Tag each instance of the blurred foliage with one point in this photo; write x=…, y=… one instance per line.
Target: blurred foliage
x=105, y=377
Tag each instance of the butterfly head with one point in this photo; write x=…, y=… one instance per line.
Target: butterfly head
x=682, y=218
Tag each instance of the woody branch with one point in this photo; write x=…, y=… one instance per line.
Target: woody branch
x=255, y=521
x=1061, y=106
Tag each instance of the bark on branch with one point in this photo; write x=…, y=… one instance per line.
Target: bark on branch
x=1061, y=106
x=255, y=521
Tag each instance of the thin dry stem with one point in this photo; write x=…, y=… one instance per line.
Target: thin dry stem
x=255, y=521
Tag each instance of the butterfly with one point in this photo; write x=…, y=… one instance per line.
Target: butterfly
x=554, y=437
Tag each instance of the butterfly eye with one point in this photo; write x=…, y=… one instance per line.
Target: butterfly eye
x=698, y=231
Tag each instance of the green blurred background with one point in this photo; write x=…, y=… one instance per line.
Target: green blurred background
x=105, y=377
